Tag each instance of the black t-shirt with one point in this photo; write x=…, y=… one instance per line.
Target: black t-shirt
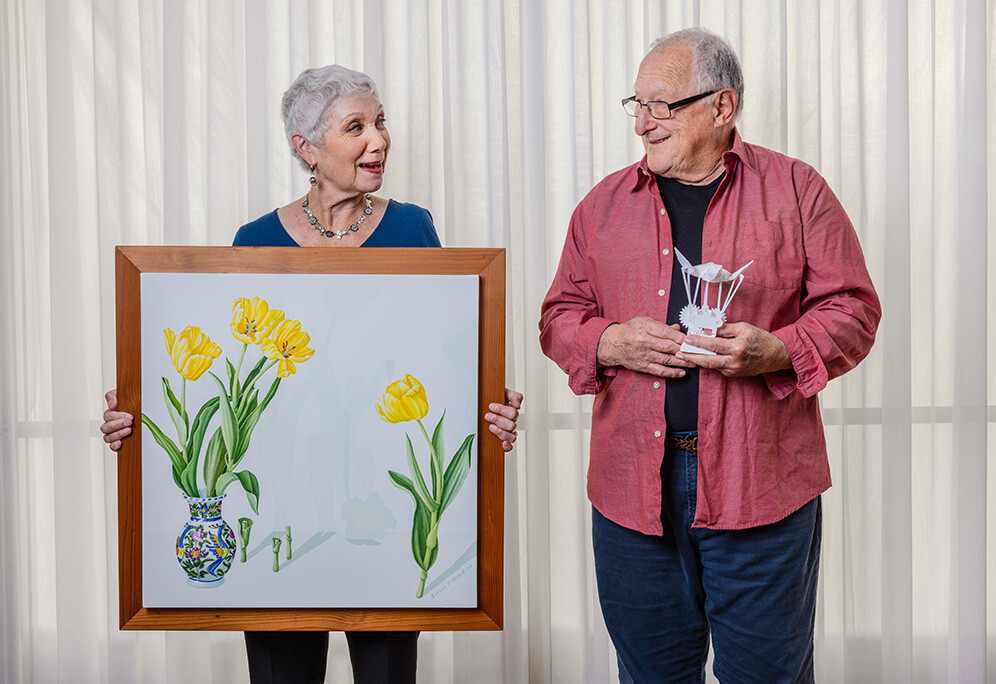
x=686, y=207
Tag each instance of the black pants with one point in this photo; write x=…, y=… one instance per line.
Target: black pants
x=300, y=657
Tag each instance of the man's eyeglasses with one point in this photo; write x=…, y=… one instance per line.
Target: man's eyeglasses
x=658, y=108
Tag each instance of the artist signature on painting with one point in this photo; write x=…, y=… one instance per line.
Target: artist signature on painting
x=452, y=579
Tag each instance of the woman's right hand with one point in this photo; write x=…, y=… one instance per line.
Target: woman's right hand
x=117, y=424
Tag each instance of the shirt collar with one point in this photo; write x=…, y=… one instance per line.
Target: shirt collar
x=740, y=152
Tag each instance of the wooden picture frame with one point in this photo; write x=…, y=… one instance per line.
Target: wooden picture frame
x=487, y=264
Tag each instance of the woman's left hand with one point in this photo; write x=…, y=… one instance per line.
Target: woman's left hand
x=503, y=418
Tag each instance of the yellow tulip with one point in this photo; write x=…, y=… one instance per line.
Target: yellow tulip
x=403, y=400
x=253, y=321
x=287, y=343
x=192, y=352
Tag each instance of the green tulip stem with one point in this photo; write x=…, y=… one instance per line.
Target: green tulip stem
x=183, y=413
x=238, y=368
x=236, y=380
x=267, y=367
x=430, y=544
x=276, y=554
x=288, y=543
x=436, y=463
x=245, y=528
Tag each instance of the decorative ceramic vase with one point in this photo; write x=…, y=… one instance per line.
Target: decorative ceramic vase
x=206, y=545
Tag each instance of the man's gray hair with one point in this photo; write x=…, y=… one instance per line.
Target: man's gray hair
x=716, y=65
x=306, y=103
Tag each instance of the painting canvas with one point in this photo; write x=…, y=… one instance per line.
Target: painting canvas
x=310, y=441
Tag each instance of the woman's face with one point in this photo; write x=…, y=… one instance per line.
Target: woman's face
x=353, y=150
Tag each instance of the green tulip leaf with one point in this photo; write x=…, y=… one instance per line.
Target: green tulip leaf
x=171, y=399
x=438, y=451
x=254, y=373
x=421, y=521
x=229, y=430
x=199, y=427
x=176, y=479
x=249, y=483
x=251, y=486
x=421, y=527
x=188, y=478
x=402, y=482
x=269, y=395
x=248, y=424
x=166, y=443
x=420, y=530
x=214, y=461
x=175, y=411
x=248, y=403
x=417, y=476
x=456, y=473
x=221, y=484
x=230, y=369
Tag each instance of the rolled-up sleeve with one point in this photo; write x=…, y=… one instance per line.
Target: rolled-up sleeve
x=571, y=323
x=840, y=310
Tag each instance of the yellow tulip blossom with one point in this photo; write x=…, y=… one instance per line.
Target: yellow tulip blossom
x=192, y=352
x=403, y=400
x=287, y=343
x=253, y=321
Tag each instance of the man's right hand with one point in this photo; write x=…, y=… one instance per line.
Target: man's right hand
x=117, y=424
x=643, y=345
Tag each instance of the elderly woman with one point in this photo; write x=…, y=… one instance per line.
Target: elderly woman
x=336, y=126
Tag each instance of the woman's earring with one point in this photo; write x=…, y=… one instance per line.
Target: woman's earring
x=313, y=180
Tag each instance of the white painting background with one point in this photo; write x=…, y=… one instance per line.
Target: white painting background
x=320, y=451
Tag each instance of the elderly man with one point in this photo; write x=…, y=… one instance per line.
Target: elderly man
x=706, y=470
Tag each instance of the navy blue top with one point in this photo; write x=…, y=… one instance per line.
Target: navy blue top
x=403, y=225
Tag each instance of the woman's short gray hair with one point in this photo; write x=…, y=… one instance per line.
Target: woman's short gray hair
x=306, y=103
x=716, y=64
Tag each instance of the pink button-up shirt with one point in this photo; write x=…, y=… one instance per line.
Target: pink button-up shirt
x=761, y=451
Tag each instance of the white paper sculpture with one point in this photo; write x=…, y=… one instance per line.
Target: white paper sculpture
x=703, y=319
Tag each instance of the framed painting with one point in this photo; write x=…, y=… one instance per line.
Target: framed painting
x=311, y=453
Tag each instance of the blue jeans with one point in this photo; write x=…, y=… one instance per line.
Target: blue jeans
x=753, y=590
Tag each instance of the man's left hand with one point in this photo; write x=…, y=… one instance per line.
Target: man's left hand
x=741, y=350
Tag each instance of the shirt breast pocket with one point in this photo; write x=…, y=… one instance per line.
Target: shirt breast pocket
x=777, y=251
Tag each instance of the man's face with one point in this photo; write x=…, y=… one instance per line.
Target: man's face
x=682, y=147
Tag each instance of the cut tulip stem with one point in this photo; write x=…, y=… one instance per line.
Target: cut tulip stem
x=276, y=553
x=245, y=528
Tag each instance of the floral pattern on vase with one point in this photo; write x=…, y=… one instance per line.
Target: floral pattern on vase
x=206, y=545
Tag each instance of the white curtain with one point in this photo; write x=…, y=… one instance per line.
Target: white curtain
x=157, y=122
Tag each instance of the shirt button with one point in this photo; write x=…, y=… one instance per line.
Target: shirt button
x=657, y=385
x=662, y=211
x=665, y=252
x=662, y=292
x=657, y=433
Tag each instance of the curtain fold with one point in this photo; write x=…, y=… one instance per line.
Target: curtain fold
x=152, y=122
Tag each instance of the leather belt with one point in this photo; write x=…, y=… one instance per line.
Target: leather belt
x=689, y=445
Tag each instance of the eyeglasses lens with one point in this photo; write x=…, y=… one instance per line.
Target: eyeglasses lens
x=658, y=110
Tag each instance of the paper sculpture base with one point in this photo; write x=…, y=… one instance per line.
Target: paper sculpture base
x=692, y=349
